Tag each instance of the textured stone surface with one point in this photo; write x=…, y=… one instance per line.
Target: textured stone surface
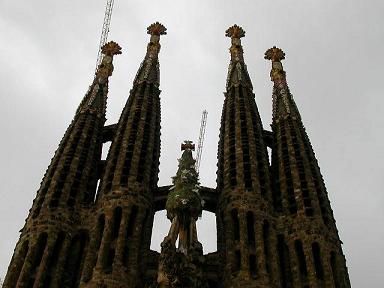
x=275, y=226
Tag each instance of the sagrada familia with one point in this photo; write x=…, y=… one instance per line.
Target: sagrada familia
x=275, y=226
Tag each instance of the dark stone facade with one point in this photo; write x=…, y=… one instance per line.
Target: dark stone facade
x=275, y=226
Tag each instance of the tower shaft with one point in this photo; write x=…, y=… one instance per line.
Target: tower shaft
x=125, y=201
x=52, y=242
x=242, y=177
x=300, y=196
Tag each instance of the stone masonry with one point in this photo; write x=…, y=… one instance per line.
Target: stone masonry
x=91, y=222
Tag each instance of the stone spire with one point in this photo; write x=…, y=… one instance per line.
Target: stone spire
x=125, y=198
x=242, y=176
x=237, y=71
x=102, y=74
x=300, y=195
x=51, y=240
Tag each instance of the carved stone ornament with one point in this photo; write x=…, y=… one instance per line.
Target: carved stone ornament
x=235, y=31
x=157, y=29
x=274, y=54
x=111, y=48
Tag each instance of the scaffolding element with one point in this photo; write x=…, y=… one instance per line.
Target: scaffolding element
x=105, y=30
x=201, y=139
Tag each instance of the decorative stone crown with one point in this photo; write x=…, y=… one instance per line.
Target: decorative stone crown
x=111, y=48
x=235, y=31
x=157, y=29
x=274, y=54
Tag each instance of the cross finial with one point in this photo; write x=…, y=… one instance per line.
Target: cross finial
x=235, y=31
x=111, y=48
x=274, y=54
x=157, y=29
x=187, y=145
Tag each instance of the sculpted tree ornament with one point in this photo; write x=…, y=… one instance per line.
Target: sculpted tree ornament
x=181, y=267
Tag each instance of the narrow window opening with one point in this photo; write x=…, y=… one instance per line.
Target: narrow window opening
x=132, y=140
x=111, y=245
x=129, y=233
x=146, y=133
x=116, y=223
x=252, y=266
x=266, y=241
x=250, y=228
x=301, y=259
x=236, y=224
x=285, y=268
x=237, y=260
x=317, y=261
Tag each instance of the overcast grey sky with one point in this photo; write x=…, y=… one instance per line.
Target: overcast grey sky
x=334, y=63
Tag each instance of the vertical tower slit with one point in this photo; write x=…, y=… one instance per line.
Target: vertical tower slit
x=74, y=142
x=132, y=137
x=292, y=205
x=301, y=170
x=146, y=136
x=232, y=140
x=247, y=177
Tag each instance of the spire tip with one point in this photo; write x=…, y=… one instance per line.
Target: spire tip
x=111, y=48
x=275, y=54
x=235, y=31
x=157, y=29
